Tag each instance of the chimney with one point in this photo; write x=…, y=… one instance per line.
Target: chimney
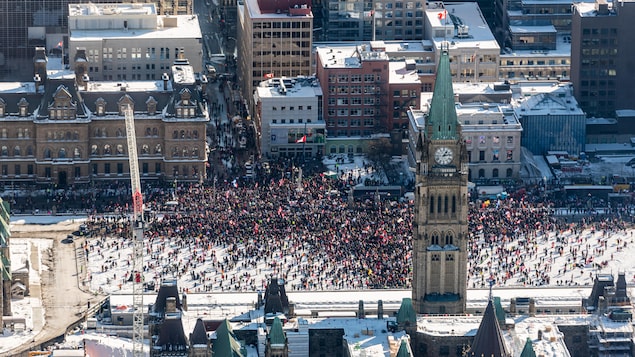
x=360, y=310
x=40, y=61
x=170, y=304
x=165, y=79
x=183, y=302
x=380, y=310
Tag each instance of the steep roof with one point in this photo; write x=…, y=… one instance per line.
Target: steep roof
x=198, y=335
x=226, y=344
x=528, y=350
x=167, y=289
x=276, y=334
x=406, y=313
x=172, y=336
x=404, y=351
x=442, y=118
x=489, y=339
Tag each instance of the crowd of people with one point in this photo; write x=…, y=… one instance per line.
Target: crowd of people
x=231, y=237
x=235, y=237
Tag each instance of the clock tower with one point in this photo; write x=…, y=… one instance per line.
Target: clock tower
x=440, y=233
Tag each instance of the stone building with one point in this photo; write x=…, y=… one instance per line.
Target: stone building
x=5, y=261
x=440, y=230
x=64, y=129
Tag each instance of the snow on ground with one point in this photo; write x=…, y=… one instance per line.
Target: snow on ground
x=30, y=307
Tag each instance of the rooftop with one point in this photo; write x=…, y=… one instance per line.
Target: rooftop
x=463, y=17
x=91, y=9
x=300, y=87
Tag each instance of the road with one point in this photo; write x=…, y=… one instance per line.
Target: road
x=63, y=300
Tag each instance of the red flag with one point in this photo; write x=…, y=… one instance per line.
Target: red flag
x=301, y=140
x=60, y=44
x=268, y=75
x=441, y=15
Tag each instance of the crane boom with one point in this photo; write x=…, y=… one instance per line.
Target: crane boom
x=137, y=225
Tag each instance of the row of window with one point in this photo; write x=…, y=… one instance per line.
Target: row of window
x=495, y=173
x=533, y=62
x=509, y=155
x=106, y=169
x=351, y=122
x=353, y=112
x=20, y=133
x=437, y=257
x=17, y=151
x=353, y=101
x=442, y=205
x=291, y=121
x=136, y=53
x=353, y=78
x=292, y=108
x=482, y=139
x=333, y=90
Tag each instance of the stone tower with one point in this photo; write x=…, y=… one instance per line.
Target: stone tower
x=440, y=232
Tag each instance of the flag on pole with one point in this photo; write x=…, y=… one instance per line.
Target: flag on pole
x=60, y=44
x=442, y=15
x=301, y=140
x=268, y=75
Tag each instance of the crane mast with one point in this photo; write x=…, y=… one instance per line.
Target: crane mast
x=137, y=225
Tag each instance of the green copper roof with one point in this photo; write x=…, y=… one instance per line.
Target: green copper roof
x=406, y=312
x=442, y=117
x=528, y=350
x=276, y=335
x=226, y=343
x=404, y=351
x=498, y=308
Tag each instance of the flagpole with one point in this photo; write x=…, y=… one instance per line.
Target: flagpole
x=304, y=142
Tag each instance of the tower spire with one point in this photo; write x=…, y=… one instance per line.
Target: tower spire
x=442, y=118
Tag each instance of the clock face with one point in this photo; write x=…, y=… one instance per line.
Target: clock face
x=443, y=156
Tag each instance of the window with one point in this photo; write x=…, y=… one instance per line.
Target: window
x=510, y=155
x=481, y=155
x=481, y=140
x=495, y=173
x=107, y=168
x=510, y=140
x=119, y=168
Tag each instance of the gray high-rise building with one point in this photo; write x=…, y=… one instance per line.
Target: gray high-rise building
x=603, y=57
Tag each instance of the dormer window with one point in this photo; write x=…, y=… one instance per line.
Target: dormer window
x=23, y=107
x=151, y=105
x=100, y=105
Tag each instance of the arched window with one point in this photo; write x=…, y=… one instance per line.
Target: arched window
x=68, y=135
x=481, y=173
x=148, y=131
x=195, y=152
x=119, y=149
x=182, y=134
x=195, y=134
x=449, y=239
x=20, y=133
x=16, y=151
x=439, y=203
x=175, y=151
x=62, y=153
x=445, y=205
x=431, y=204
x=434, y=238
x=107, y=149
x=119, y=132
x=509, y=173
x=29, y=150
x=5, y=151
x=185, y=153
x=158, y=149
x=495, y=173
x=94, y=150
x=4, y=133
x=77, y=153
x=155, y=132
x=27, y=133
x=145, y=149
x=47, y=153
x=76, y=135
x=175, y=134
x=453, y=204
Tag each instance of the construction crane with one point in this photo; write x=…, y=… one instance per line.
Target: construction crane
x=137, y=225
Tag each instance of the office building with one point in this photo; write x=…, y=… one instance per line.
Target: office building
x=364, y=94
x=473, y=50
x=367, y=20
x=289, y=113
x=130, y=41
x=550, y=117
x=602, y=71
x=274, y=40
x=26, y=24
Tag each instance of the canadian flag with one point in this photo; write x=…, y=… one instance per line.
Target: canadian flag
x=268, y=75
x=60, y=44
x=442, y=15
x=301, y=140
